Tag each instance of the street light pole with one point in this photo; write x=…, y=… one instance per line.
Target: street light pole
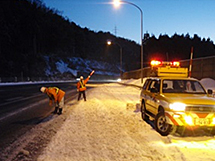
x=109, y=43
x=117, y=2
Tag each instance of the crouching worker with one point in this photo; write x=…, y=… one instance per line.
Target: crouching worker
x=57, y=95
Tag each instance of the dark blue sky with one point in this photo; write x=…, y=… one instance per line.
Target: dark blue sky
x=159, y=16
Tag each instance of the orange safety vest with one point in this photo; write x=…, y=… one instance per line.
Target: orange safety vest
x=81, y=85
x=55, y=93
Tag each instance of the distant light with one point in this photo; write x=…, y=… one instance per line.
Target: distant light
x=109, y=42
x=119, y=80
x=78, y=79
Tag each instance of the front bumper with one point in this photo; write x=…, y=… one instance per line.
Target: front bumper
x=190, y=119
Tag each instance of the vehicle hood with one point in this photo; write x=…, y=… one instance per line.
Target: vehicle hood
x=193, y=99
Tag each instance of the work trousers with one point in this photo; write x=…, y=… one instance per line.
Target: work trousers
x=79, y=95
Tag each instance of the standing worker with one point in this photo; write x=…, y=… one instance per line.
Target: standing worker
x=81, y=86
x=57, y=95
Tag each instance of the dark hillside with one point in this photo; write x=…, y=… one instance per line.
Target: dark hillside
x=33, y=38
x=29, y=31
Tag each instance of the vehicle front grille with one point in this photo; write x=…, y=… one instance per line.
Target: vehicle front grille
x=203, y=108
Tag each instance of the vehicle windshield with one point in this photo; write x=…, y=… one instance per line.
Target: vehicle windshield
x=182, y=86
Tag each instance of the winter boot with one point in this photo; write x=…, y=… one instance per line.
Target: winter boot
x=60, y=111
x=55, y=111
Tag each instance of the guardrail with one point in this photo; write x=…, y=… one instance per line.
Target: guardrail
x=201, y=68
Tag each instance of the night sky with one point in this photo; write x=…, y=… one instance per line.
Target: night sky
x=159, y=16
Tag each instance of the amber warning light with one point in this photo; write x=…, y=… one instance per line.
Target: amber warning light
x=164, y=63
x=155, y=63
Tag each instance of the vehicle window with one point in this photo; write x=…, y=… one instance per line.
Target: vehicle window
x=182, y=86
x=155, y=84
x=146, y=83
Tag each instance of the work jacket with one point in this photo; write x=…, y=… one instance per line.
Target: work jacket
x=81, y=85
x=55, y=94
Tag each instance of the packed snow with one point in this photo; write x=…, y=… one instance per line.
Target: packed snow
x=108, y=127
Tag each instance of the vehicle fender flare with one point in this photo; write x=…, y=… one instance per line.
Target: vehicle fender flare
x=168, y=117
x=161, y=109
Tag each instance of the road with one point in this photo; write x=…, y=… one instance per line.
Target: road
x=24, y=106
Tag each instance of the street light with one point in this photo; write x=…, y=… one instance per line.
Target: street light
x=116, y=4
x=109, y=42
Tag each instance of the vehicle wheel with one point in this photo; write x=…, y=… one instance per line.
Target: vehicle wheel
x=145, y=117
x=161, y=126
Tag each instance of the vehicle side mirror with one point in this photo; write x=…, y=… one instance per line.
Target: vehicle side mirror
x=210, y=91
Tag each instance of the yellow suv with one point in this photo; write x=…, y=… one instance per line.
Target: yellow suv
x=176, y=103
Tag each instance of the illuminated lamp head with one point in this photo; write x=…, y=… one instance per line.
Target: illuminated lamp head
x=176, y=63
x=155, y=63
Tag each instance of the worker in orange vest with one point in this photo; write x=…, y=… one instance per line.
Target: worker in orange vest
x=81, y=86
x=55, y=95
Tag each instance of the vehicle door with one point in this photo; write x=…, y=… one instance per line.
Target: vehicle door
x=145, y=92
x=153, y=92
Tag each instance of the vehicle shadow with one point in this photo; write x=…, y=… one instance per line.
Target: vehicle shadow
x=150, y=122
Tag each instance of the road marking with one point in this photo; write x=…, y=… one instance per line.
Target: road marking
x=18, y=99
x=12, y=99
x=21, y=110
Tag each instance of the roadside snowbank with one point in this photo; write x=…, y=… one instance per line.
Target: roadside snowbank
x=108, y=127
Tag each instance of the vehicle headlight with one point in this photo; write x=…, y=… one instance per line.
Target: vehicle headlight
x=119, y=80
x=177, y=106
x=213, y=121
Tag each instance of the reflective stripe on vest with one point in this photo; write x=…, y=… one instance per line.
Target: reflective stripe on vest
x=56, y=89
x=82, y=84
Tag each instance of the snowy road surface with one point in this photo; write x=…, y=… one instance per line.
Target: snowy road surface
x=107, y=127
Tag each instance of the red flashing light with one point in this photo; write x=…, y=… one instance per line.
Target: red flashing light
x=165, y=63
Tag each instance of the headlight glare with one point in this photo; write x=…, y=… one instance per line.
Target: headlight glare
x=177, y=106
x=213, y=121
x=188, y=120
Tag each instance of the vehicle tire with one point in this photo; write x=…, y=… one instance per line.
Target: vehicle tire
x=145, y=117
x=161, y=126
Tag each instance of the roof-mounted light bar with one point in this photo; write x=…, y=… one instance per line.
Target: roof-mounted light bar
x=155, y=63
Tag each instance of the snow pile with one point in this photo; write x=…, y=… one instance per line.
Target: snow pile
x=63, y=68
x=108, y=127
x=136, y=82
x=208, y=83
x=76, y=64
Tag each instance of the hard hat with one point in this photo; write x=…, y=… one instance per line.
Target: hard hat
x=81, y=77
x=42, y=89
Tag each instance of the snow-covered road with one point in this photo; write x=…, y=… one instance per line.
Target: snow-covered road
x=108, y=127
